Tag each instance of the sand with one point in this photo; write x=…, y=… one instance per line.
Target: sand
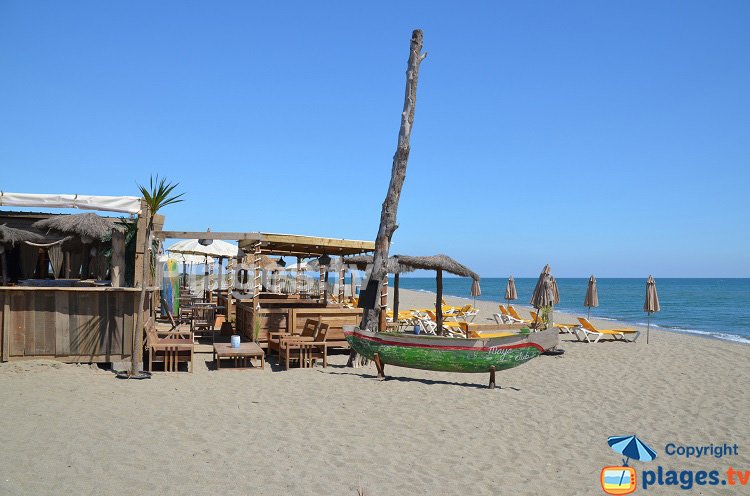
x=75, y=429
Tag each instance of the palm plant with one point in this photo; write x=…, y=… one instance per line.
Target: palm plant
x=157, y=195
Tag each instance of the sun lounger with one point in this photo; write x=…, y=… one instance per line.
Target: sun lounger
x=569, y=328
x=588, y=329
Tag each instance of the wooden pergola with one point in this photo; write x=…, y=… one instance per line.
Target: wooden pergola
x=257, y=245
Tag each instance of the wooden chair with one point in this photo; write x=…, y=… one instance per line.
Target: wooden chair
x=308, y=332
x=309, y=350
x=169, y=347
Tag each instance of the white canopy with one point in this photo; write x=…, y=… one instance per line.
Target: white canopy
x=183, y=258
x=124, y=204
x=218, y=249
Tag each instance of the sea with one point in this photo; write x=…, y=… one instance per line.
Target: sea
x=716, y=308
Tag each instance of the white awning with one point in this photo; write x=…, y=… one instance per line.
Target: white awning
x=124, y=204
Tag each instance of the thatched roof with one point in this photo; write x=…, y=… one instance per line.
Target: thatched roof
x=393, y=265
x=11, y=235
x=399, y=264
x=84, y=225
x=437, y=262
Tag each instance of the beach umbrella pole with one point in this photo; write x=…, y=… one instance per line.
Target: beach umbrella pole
x=648, y=326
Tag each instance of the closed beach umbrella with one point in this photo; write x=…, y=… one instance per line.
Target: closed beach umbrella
x=542, y=295
x=510, y=290
x=592, y=297
x=475, y=290
x=651, y=305
x=555, y=291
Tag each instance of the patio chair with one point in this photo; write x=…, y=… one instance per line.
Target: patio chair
x=451, y=327
x=309, y=330
x=169, y=347
x=588, y=329
x=308, y=350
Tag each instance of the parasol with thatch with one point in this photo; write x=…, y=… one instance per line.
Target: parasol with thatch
x=89, y=227
x=439, y=263
x=510, y=290
x=651, y=305
x=592, y=295
x=393, y=266
x=9, y=237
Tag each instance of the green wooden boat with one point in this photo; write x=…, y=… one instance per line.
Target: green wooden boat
x=451, y=354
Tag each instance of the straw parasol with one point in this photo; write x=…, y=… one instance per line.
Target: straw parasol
x=439, y=263
x=10, y=236
x=89, y=227
x=592, y=296
x=393, y=266
x=651, y=305
x=510, y=290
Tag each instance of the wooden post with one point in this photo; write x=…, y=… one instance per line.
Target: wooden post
x=395, y=296
x=388, y=223
x=299, y=276
x=4, y=265
x=342, y=283
x=382, y=325
x=439, y=301
x=141, y=266
x=6, y=326
x=256, y=289
x=68, y=269
x=492, y=377
x=321, y=285
x=380, y=366
x=118, y=258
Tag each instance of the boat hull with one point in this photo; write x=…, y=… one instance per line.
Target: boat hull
x=450, y=354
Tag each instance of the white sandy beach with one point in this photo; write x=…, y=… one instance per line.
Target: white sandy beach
x=68, y=429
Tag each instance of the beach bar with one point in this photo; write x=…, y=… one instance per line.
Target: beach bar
x=260, y=310
x=63, y=296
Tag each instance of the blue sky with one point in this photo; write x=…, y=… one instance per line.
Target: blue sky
x=600, y=137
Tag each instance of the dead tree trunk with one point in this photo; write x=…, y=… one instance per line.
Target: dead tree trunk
x=388, y=225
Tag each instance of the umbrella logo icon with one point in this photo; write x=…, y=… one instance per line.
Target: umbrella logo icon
x=622, y=479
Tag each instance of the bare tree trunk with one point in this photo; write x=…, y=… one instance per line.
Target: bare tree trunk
x=388, y=225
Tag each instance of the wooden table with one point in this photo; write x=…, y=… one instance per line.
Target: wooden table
x=242, y=355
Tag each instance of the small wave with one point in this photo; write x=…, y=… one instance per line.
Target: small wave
x=716, y=335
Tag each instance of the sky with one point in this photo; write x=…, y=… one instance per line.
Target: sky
x=610, y=138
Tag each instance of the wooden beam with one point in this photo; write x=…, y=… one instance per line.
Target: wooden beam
x=227, y=236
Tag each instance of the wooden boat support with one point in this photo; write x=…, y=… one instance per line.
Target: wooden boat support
x=68, y=324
